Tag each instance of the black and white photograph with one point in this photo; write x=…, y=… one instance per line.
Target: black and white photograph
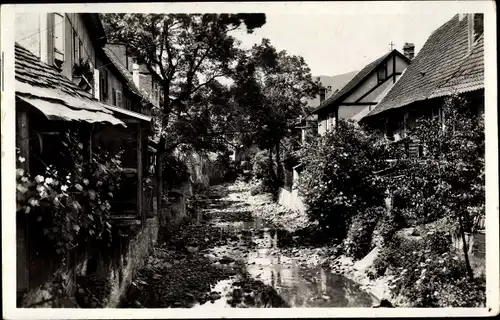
x=282, y=156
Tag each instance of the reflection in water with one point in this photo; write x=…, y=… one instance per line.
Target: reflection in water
x=298, y=286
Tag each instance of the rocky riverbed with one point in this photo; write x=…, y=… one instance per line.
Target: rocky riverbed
x=239, y=255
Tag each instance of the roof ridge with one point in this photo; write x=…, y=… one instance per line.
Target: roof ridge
x=364, y=72
x=127, y=75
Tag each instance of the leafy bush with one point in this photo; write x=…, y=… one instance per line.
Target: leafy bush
x=260, y=171
x=427, y=272
x=260, y=168
x=359, y=237
x=175, y=172
x=338, y=180
x=258, y=189
x=450, y=179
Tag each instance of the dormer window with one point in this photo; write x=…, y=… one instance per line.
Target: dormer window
x=58, y=39
x=382, y=72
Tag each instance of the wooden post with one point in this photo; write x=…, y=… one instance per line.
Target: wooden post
x=23, y=129
x=22, y=230
x=139, y=173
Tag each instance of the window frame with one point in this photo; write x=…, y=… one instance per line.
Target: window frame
x=113, y=96
x=382, y=68
x=76, y=48
x=56, y=26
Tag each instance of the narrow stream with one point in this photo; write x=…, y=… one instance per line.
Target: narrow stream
x=257, y=246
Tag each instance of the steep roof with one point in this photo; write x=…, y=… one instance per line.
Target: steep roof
x=41, y=85
x=29, y=69
x=357, y=80
x=129, y=80
x=336, y=83
x=442, y=66
x=469, y=76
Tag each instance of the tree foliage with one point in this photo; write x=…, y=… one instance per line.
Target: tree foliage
x=270, y=91
x=450, y=181
x=339, y=180
x=191, y=52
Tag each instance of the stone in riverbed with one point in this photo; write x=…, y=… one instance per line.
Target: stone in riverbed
x=214, y=295
x=226, y=260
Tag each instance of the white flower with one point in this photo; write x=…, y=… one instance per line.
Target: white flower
x=20, y=172
x=22, y=159
x=86, y=181
x=39, y=179
x=78, y=187
x=34, y=202
x=64, y=188
x=49, y=181
x=22, y=189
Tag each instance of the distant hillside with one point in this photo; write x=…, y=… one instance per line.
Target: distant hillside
x=336, y=82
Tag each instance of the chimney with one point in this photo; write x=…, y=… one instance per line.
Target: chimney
x=409, y=50
x=322, y=94
x=119, y=50
x=135, y=74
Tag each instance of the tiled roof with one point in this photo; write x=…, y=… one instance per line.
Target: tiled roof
x=470, y=74
x=30, y=70
x=126, y=75
x=42, y=86
x=351, y=85
x=442, y=66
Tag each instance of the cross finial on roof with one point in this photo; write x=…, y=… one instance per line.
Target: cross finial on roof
x=392, y=45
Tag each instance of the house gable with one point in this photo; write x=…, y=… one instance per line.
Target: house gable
x=363, y=92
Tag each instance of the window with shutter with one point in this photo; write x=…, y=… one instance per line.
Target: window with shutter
x=104, y=83
x=113, y=96
x=415, y=149
x=58, y=39
x=76, y=47
x=382, y=72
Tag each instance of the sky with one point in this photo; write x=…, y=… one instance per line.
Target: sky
x=333, y=44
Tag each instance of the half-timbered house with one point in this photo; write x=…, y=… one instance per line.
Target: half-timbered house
x=363, y=92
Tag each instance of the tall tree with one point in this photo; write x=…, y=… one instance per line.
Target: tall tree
x=190, y=51
x=272, y=93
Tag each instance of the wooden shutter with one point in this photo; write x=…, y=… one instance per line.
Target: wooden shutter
x=415, y=149
x=97, y=84
x=119, y=98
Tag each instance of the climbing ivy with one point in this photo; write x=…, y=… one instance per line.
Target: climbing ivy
x=69, y=205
